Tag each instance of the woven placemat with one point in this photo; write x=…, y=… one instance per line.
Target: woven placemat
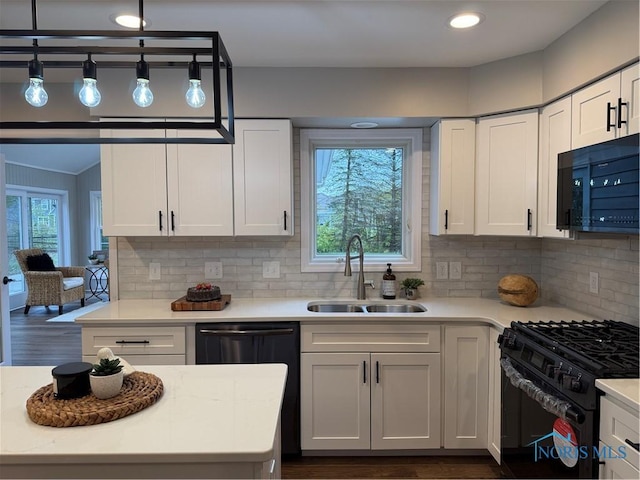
x=139, y=390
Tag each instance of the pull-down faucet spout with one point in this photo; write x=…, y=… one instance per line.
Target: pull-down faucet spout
x=347, y=265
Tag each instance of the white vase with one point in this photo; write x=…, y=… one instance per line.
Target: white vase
x=108, y=386
x=411, y=293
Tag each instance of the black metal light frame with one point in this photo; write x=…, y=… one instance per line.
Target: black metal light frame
x=219, y=60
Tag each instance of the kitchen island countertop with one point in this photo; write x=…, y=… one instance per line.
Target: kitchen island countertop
x=625, y=390
x=209, y=417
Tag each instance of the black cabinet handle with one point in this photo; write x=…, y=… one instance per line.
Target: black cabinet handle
x=173, y=221
x=285, y=220
x=364, y=371
x=634, y=445
x=160, y=219
x=6, y=280
x=136, y=342
x=377, y=372
x=609, y=124
x=528, y=219
x=620, y=105
x=446, y=219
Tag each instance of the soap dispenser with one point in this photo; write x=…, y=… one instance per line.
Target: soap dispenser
x=389, y=284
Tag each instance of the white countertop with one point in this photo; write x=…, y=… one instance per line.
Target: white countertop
x=489, y=311
x=207, y=413
x=625, y=390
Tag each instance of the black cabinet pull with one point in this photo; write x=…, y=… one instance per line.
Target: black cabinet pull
x=528, y=219
x=173, y=221
x=634, y=445
x=285, y=220
x=609, y=124
x=364, y=371
x=377, y=372
x=446, y=219
x=137, y=342
x=160, y=219
x=620, y=105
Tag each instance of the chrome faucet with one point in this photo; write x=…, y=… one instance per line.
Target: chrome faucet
x=347, y=265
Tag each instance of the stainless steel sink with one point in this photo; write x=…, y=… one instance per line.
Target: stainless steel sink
x=346, y=307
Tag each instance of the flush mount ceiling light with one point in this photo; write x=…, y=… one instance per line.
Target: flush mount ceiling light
x=129, y=21
x=465, y=20
x=364, y=125
x=157, y=50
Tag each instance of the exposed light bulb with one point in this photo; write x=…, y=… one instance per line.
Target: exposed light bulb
x=195, y=97
x=142, y=95
x=89, y=94
x=36, y=95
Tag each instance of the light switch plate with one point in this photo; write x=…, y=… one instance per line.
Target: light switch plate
x=270, y=269
x=212, y=270
x=455, y=270
x=154, y=271
x=593, y=282
x=442, y=270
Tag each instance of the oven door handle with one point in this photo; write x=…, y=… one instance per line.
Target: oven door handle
x=547, y=401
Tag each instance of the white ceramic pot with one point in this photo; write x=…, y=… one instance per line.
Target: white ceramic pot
x=411, y=293
x=107, y=386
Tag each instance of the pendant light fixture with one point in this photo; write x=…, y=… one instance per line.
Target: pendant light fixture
x=142, y=95
x=195, y=97
x=89, y=94
x=36, y=95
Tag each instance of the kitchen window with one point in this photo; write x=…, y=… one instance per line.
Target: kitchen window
x=361, y=181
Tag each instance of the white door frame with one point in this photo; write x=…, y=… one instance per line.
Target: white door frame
x=5, y=325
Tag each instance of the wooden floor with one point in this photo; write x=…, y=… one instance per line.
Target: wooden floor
x=36, y=342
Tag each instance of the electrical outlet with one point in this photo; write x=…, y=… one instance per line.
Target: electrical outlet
x=270, y=269
x=212, y=270
x=455, y=270
x=442, y=270
x=154, y=271
x=594, y=282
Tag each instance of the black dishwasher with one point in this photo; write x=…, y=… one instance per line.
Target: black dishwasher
x=259, y=342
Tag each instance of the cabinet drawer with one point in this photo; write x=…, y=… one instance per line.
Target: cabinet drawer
x=618, y=425
x=137, y=360
x=370, y=338
x=134, y=340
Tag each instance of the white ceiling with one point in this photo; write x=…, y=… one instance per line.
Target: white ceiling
x=314, y=33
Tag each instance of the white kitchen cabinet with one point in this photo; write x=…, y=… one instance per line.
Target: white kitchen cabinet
x=598, y=111
x=507, y=174
x=262, y=177
x=161, y=190
x=495, y=396
x=466, y=381
x=618, y=428
x=137, y=344
x=452, y=188
x=363, y=399
x=555, y=137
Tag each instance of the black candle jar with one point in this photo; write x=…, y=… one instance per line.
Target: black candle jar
x=71, y=380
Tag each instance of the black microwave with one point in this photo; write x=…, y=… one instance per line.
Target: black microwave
x=598, y=189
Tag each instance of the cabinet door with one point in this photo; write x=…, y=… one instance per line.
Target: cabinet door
x=507, y=174
x=616, y=468
x=555, y=137
x=262, y=177
x=334, y=403
x=452, y=177
x=134, y=188
x=590, y=112
x=495, y=396
x=200, y=187
x=466, y=380
x=630, y=93
x=405, y=400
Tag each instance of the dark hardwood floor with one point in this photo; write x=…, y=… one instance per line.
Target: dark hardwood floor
x=36, y=342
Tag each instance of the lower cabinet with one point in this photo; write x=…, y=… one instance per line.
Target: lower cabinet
x=495, y=396
x=619, y=432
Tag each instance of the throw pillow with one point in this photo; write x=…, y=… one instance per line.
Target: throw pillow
x=40, y=263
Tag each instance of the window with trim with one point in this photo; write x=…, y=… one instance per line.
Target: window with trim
x=367, y=182
x=98, y=240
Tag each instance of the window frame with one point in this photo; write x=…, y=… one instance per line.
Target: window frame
x=411, y=140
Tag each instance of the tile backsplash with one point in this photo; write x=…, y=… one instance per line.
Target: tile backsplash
x=561, y=267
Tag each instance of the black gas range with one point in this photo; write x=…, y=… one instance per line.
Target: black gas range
x=550, y=405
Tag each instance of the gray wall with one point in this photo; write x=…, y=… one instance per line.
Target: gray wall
x=87, y=181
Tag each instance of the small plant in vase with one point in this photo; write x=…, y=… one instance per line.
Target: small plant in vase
x=410, y=287
x=93, y=259
x=106, y=378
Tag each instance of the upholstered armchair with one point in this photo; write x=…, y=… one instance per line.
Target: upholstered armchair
x=54, y=287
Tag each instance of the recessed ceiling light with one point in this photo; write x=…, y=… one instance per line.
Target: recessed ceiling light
x=129, y=21
x=364, y=125
x=466, y=20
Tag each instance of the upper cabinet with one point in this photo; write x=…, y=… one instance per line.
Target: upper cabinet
x=507, y=174
x=555, y=137
x=607, y=109
x=188, y=189
x=452, y=177
x=262, y=177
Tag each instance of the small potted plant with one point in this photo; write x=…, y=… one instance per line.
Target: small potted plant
x=106, y=378
x=410, y=287
x=93, y=259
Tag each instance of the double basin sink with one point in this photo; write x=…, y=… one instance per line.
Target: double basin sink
x=372, y=307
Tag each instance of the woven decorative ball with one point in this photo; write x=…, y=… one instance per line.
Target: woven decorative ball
x=518, y=290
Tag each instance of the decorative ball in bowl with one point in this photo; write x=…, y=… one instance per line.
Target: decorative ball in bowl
x=203, y=292
x=518, y=290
